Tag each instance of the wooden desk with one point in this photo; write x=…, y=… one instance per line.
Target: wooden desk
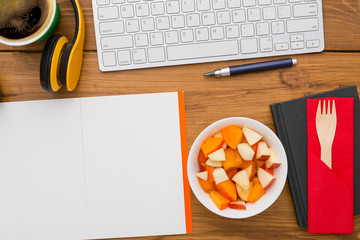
x=208, y=100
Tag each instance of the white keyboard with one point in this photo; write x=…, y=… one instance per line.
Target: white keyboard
x=134, y=34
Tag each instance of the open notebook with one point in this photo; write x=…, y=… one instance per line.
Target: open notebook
x=92, y=168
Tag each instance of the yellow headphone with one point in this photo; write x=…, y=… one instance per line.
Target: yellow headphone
x=61, y=61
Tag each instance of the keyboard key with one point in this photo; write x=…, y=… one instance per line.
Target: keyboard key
x=157, y=8
x=172, y=7
x=302, y=25
x=202, y=50
x=264, y=2
x=141, y=40
x=208, y=18
x=171, y=37
x=249, y=46
x=127, y=11
x=266, y=44
x=304, y=10
x=234, y=3
x=156, y=38
x=218, y=4
x=217, y=33
x=118, y=1
x=202, y=34
x=142, y=10
x=139, y=56
x=297, y=45
x=186, y=35
x=162, y=23
x=313, y=43
x=123, y=41
x=106, y=13
x=111, y=27
x=147, y=24
x=269, y=13
x=247, y=30
x=232, y=31
x=223, y=17
x=262, y=29
x=109, y=59
x=124, y=57
x=294, y=1
x=193, y=20
x=177, y=21
x=238, y=16
x=278, y=27
x=281, y=46
x=249, y=3
x=133, y=1
x=279, y=1
x=254, y=14
x=132, y=25
x=203, y=5
x=284, y=12
x=102, y=2
x=188, y=5
x=156, y=54
x=296, y=37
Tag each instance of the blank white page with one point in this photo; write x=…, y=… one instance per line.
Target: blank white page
x=42, y=190
x=133, y=165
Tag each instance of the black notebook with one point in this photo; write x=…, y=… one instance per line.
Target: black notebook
x=290, y=123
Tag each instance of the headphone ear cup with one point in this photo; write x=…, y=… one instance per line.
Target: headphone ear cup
x=64, y=65
x=50, y=61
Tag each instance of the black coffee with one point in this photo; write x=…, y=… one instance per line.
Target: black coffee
x=21, y=18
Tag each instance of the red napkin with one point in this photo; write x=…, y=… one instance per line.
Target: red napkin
x=330, y=191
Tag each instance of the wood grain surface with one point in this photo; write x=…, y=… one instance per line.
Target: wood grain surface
x=208, y=100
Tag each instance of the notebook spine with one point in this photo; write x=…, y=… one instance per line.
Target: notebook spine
x=292, y=176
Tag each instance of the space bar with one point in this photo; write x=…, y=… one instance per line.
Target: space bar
x=203, y=50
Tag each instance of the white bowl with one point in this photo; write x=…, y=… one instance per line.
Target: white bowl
x=271, y=194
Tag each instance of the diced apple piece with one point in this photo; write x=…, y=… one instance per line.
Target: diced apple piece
x=262, y=153
x=220, y=201
x=220, y=175
x=203, y=175
x=246, y=152
x=242, y=179
x=218, y=135
x=273, y=161
x=251, y=136
x=239, y=205
x=265, y=178
x=212, y=163
x=217, y=156
x=251, y=171
x=244, y=194
x=228, y=189
x=270, y=170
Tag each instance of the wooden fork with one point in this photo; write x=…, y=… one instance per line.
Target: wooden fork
x=325, y=127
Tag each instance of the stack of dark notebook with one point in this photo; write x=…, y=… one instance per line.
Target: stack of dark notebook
x=290, y=122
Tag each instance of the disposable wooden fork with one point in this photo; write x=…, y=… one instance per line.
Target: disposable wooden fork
x=325, y=128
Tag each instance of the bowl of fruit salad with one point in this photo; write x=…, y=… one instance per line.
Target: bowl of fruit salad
x=237, y=167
